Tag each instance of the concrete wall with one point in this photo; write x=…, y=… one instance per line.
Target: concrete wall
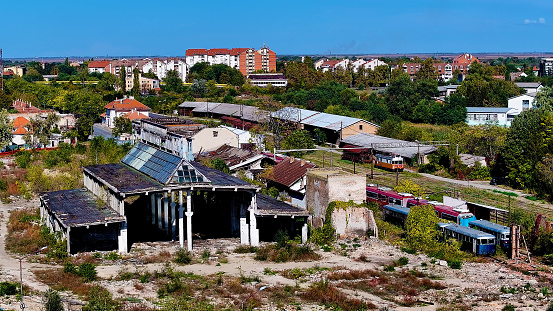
x=325, y=186
x=353, y=222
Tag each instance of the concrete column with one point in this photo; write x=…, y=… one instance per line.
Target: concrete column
x=244, y=229
x=159, y=221
x=166, y=213
x=181, y=220
x=122, y=207
x=122, y=239
x=189, y=214
x=304, y=231
x=254, y=232
x=173, y=204
x=68, y=240
x=153, y=207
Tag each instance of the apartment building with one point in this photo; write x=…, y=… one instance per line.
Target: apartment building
x=247, y=60
x=158, y=66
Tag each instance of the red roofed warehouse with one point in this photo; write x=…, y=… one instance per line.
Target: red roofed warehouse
x=289, y=176
x=120, y=107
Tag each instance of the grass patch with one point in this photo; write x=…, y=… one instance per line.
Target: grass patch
x=63, y=281
x=507, y=193
x=245, y=249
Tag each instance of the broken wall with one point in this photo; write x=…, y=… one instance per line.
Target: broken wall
x=354, y=222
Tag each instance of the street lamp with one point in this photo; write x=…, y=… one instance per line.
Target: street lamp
x=21, y=273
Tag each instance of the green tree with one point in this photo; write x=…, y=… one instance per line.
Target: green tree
x=5, y=129
x=219, y=164
x=123, y=79
x=427, y=71
x=298, y=139
x=198, y=87
x=408, y=186
x=122, y=125
x=173, y=83
x=53, y=301
x=136, y=82
x=544, y=98
x=33, y=75
x=422, y=228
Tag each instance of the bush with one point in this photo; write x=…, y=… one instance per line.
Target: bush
x=548, y=259
x=244, y=249
x=69, y=267
x=183, y=256
x=7, y=288
x=100, y=299
x=389, y=268
x=113, y=256
x=402, y=261
x=454, y=264
x=87, y=271
x=324, y=235
x=509, y=307
x=550, y=308
x=53, y=301
x=290, y=252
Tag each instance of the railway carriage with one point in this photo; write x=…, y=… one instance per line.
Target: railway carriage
x=392, y=163
x=502, y=233
x=395, y=213
x=478, y=242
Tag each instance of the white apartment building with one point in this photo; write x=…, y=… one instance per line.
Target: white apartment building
x=160, y=67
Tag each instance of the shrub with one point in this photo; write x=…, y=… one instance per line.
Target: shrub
x=183, y=256
x=389, y=268
x=548, y=259
x=7, y=288
x=323, y=236
x=206, y=254
x=550, y=308
x=53, y=301
x=402, y=261
x=454, y=264
x=87, y=271
x=325, y=293
x=290, y=252
x=409, y=250
x=509, y=307
x=69, y=267
x=112, y=256
x=100, y=299
x=244, y=249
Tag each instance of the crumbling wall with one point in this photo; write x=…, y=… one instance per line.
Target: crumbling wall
x=354, y=222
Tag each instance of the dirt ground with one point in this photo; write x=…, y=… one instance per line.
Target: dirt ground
x=476, y=286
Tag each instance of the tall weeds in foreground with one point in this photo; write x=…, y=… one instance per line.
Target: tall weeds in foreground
x=288, y=252
x=327, y=294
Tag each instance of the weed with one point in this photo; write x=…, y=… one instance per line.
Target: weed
x=402, y=261
x=290, y=252
x=87, y=271
x=389, y=268
x=206, y=254
x=244, y=249
x=268, y=271
x=409, y=250
x=327, y=294
x=7, y=288
x=454, y=264
x=183, y=256
x=112, y=256
x=509, y=307
x=145, y=278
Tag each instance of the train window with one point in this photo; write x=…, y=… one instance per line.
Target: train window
x=372, y=195
x=382, y=197
x=449, y=217
x=491, y=241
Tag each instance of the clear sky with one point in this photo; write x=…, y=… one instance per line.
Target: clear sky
x=168, y=27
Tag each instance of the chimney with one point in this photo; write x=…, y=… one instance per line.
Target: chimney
x=302, y=163
x=291, y=160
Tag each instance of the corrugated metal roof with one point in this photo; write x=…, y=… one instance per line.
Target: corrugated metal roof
x=269, y=206
x=293, y=114
x=249, y=113
x=396, y=146
x=490, y=225
x=78, y=207
x=467, y=231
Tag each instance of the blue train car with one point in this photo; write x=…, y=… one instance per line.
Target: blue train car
x=395, y=213
x=480, y=243
x=502, y=234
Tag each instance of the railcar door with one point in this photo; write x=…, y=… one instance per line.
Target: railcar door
x=474, y=246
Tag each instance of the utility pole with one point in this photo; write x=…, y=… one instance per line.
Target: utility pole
x=1, y=71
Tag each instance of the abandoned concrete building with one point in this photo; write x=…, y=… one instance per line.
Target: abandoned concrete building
x=158, y=193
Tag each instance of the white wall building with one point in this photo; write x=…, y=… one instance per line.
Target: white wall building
x=160, y=67
x=522, y=102
x=490, y=115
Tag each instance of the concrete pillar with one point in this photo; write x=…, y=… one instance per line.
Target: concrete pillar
x=254, y=232
x=181, y=219
x=68, y=240
x=189, y=214
x=166, y=212
x=173, y=205
x=304, y=231
x=122, y=239
x=244, y=228
x=159, y=221
x=153, y=207
x=122, y=207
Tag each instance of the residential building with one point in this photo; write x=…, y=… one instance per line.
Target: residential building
x=247, y=60
x=530, y=87
x=333, y=64
x=120, y=107
x=521, y=103
x=209, y=139
x=264, y=79
x=17, y=70
x=98, y=66
x=490, y=115
x=447, y=90
x=546, y=67
x=444, y=71
x=289, y=176
x=463, y=62
x=371, y=64
x=146, y=84
x=160, y=67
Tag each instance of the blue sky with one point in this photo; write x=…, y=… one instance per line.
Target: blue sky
x=169, y=27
